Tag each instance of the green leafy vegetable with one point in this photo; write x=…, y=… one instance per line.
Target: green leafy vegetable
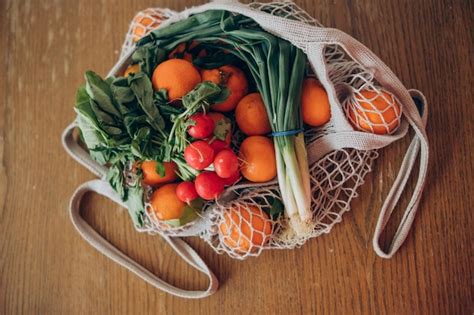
x=141, y=86
x=100, y=92
x=135, y=205
x=116, y=180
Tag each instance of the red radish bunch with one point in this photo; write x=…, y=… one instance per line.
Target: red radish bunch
x=202, y=154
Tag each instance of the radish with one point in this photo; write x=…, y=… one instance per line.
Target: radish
x=208, y=185
x=232, y=179
x=218, y=145
x=186, y=192
x=203, y=126
x=226, y=163
x=199, y=155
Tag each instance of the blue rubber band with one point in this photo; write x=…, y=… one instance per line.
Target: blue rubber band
x=286, y=133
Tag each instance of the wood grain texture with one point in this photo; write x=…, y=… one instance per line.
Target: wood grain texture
x=46, y=268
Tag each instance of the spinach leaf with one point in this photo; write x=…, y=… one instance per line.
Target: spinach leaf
x=92, y=138
x=140, y=142
x=123, y=95
x=99, y=90
x=91, y=132
x=133, y=123
x=143, y=90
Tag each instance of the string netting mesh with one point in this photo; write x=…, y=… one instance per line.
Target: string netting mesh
x=142, y=24
x=367, y=106
x=242, y=224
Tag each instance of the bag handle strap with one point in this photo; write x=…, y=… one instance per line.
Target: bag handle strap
x=103, y=246
x=418, y=147
x=79, y=154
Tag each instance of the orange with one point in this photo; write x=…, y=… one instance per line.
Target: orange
x=177, y=76
x=315, y=106
x=131, y=69
x=145, y=22
x=151, y=177
x=244, y=227
x=257, y=155
x=375, y=112
x=166, y=204
x=217, y=117
x=231, y=77
x=251, y=115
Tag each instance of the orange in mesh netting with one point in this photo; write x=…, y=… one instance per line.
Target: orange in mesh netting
x=146, y=21
x=374, y=111
x=244, y=228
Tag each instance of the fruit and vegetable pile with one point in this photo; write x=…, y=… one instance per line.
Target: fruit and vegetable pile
x=206, y=103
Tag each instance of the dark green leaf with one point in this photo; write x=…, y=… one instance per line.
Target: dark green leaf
x=123, y=94
x=143, y=90
x=133, y=122
x=202, y=95
x=116, y=180
x=160, y=97
x=99, y=90
x=135, y=205
x=139, y=143
x=215, y=59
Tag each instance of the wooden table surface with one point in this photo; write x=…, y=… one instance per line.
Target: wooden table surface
x=46, y=268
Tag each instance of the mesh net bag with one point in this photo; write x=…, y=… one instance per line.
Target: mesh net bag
x=370, y=108
x=239, y=224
